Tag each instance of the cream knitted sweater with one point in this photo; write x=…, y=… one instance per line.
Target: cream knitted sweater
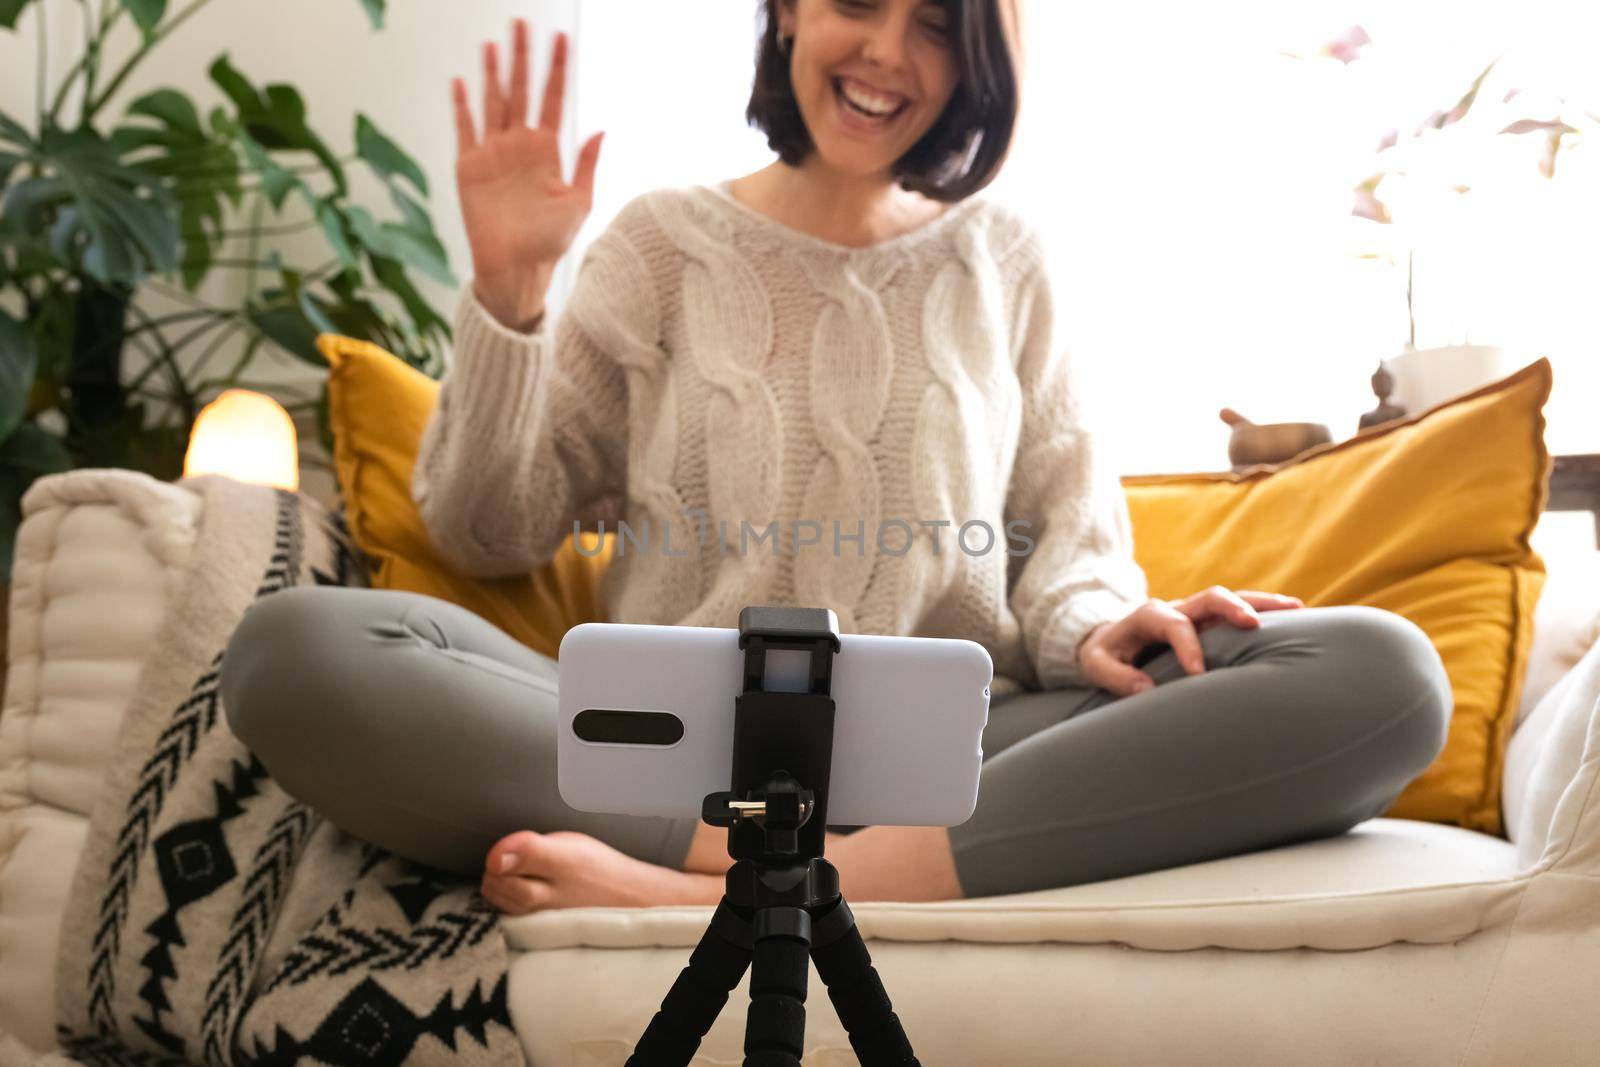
x=893, y=432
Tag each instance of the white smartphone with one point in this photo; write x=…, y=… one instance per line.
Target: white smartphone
x=908, y=721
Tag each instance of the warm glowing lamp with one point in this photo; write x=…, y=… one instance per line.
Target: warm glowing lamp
x=246, y=436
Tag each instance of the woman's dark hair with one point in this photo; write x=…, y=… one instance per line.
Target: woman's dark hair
x=963, y=151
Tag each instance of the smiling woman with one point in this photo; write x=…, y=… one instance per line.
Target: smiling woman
x=846, y=339
x=928, y=90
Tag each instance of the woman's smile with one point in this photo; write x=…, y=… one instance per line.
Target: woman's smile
x=870, y=78
x=866, y=108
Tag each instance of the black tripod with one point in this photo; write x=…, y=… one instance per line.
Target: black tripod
x=782, y=899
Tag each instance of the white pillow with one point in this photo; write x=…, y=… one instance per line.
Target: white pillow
x=1566, y=624
x=1544, y=755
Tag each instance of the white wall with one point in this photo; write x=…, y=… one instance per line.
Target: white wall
x=670, y=91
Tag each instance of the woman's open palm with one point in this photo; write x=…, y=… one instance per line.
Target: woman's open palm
x=521, y=214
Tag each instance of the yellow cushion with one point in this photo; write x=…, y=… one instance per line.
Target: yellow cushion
x=1427, y=517
x=378, y=407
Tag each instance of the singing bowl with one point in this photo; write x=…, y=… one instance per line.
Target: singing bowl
x=1274, y=442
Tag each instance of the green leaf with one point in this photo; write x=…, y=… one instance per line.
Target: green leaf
x=420, y=226
x=386, y=157
x=420, y=250
x=367, y=231
x=413, y=243
x=276, y=182
x=290, y=317
x=203, y=169
x=288, y=329
x=234, y=86
x=393, y=277
x=19, y=361
x=147, y=13
x=117, y=223
x=8, y=162
x=355, y=316
x=10, y=10
x=276, y=119
x=290, y=111
x=332, y=223
x=316, y=313
x=374, y=9
x=30, y=448
x=415, y=215
x=12, y=131
x=170, y=108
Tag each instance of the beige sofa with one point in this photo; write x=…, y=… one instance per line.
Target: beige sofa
x=1398, y=943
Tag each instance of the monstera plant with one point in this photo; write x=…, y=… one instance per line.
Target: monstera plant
x=97, y=212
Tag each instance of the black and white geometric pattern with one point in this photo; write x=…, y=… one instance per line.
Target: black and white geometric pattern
x=270, y=871
x=370, y=1028
x=184, y=953
x=339, y=944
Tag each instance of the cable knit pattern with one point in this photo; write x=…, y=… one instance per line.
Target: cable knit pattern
x=852, y=359
x=727, y=319
x=966, y=430
x=741, y=387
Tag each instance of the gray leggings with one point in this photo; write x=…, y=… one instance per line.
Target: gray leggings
x=421, y=727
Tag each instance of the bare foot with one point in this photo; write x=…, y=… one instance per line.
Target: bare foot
x=876, y=863
x=896, y=863
x=708, y=849
x=565, y=869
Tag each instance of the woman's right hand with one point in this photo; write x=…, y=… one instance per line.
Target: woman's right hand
x=521, y=215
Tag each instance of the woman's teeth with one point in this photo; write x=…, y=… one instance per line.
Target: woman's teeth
x=864, y=101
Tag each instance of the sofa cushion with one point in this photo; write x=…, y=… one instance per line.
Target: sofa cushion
x=1545, y=756
x=378, y=407
x=96, y=559
x=1566, y=628
x=957, y=970
x=1566, y=625
x=1428, y=517
x=1386, y=880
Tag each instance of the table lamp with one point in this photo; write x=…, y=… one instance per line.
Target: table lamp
x=247, y=436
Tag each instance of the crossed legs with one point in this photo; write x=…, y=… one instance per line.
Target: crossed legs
x=421, y=727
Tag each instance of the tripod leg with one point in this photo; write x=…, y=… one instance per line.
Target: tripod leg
x=775, y=1028
x=857, y=992
x=696, y=998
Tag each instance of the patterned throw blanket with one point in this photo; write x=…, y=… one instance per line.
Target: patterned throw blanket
x=214, y=919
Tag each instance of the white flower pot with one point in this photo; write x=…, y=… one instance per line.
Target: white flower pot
x=1424, y=377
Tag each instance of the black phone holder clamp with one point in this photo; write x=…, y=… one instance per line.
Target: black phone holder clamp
x=781, y=905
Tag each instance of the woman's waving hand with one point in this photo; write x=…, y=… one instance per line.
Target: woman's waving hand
x=521, y=214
